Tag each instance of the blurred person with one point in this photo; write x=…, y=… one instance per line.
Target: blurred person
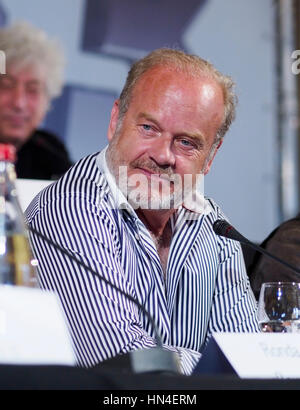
x=34, y=76
x=283, y=242
x=168, y=124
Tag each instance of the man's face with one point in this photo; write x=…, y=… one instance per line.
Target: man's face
x=23, y=103
x=168, y=129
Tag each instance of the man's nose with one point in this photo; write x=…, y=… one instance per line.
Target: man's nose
x=19, y=97
x=162, y=153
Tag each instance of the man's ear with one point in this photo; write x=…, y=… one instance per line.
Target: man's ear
x=212, y=155
x=114, y=115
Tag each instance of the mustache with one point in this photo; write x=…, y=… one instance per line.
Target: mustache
x=153, y=167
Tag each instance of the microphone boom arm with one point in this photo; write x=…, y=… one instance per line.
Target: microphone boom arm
x=223, y=228
x=85, y=266
x=265, y=252
x=157, y=359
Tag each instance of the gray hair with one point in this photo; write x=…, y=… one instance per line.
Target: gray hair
x=186, y=63
x=26, y=45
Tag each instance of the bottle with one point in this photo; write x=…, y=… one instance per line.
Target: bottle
x=17, y=266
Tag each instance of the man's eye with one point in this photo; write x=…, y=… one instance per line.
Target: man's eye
x=146, y=127
x=186, y=143
x=34, y=90
x=6, y=83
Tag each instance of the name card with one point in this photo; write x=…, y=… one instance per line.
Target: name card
x=32, y=328
x=261, y=355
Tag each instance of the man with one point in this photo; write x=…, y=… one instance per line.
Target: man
x=168, y=124
x=34, y=76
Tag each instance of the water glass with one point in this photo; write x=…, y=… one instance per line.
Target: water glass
x=279, y=307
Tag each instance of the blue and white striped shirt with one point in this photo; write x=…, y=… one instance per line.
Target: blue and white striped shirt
x=205, y=287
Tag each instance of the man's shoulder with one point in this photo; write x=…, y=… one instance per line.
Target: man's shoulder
x=83, y=183
x=216, y=210
x=83, y=179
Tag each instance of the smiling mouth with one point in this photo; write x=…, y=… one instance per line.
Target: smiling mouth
x=152, y=174
x=15, y=120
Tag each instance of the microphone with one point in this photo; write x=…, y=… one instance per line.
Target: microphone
x=155, y=359
x=222, y=228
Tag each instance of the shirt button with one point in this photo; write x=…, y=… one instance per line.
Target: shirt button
x=137, y=236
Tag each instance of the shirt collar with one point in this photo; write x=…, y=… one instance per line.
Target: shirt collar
x=197, y=204
x=118, y=196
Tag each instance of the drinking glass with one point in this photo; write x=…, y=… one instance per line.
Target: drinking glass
x=279, y=307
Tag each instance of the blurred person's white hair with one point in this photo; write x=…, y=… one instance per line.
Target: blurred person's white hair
x=25, y=45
